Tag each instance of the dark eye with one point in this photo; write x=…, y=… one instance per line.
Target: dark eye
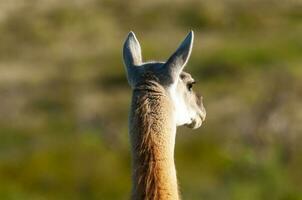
x=190, y=85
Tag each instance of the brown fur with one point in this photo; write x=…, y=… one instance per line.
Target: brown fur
x=152, y=139
x=162, y=99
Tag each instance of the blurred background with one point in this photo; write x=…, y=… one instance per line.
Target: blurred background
x=64, y=97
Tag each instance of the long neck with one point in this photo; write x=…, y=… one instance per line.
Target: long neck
x=152, y=134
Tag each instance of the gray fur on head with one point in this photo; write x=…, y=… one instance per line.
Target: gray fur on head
x=169, y=70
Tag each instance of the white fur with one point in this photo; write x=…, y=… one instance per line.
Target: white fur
x=181, y=114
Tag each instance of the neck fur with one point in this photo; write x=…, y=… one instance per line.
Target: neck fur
x=152, y=134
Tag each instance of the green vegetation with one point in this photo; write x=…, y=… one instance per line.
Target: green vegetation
x=64, y=97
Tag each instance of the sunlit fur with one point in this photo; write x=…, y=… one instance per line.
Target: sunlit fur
x=160, y=102
x=152, y=136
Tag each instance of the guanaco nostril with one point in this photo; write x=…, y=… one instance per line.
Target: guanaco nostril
x=199, y=99
x=203, y=114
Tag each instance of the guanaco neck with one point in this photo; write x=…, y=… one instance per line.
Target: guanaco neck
x=152, y=135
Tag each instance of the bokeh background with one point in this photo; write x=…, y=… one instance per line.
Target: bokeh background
x=64, y=97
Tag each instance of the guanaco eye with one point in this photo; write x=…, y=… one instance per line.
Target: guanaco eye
x=190, y=85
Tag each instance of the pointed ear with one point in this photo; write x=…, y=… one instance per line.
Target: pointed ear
x=178, y=60
x=132, y=51
x=132, y=57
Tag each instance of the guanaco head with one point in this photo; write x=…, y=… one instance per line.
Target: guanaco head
x=188, y=106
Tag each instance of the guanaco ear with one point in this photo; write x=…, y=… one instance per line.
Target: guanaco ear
x=132, y=51
x=180, y=57
x=132, y=55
